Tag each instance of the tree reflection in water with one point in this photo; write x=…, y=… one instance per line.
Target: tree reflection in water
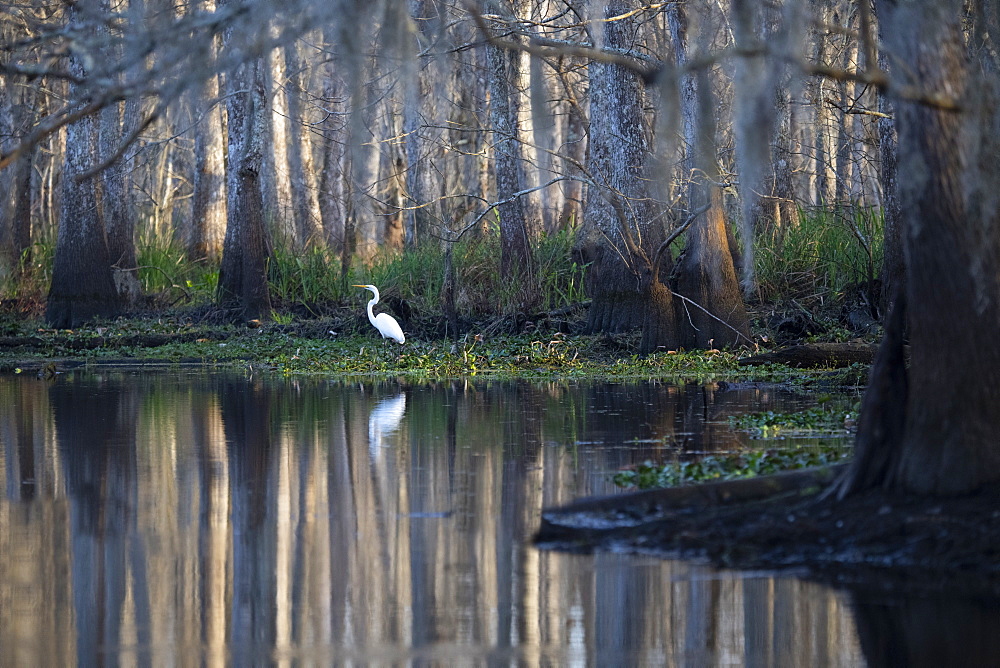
x=927, y=630
x=210, y=518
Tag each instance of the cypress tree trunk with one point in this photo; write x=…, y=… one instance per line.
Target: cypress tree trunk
x=301, y=174
x=243, y=288
x=893, y=268
x=117, y=207
x=516, y=259
x=713, y=313
x=932, y=428
x=619, y=237
x=206, y=229
x=422, y=127
x=15, y=182
x=82, y=287
x=204, y=232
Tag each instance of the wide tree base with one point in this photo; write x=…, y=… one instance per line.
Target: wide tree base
x=785, y=522
x=75, y=310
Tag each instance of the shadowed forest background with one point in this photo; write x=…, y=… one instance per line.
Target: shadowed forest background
x=475, y=160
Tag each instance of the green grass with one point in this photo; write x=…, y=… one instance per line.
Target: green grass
x=164, y=269
x=820, y=259
x=314, y=276
x=560, y=276
x=827, y=253
x=308, y=277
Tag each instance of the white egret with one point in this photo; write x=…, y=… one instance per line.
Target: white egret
x=383, y=322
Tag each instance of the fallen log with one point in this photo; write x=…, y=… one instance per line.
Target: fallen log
x=809, y=355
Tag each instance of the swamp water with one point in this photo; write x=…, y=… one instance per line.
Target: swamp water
x=211, y=519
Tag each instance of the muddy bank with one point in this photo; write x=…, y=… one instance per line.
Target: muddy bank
x=784, y=522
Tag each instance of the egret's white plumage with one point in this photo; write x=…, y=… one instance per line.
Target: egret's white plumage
x=383, y=322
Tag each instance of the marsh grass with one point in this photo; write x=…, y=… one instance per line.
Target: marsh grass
x=823, y=257
x=165, y=269
x=417, y=276
x=30, y=276
x=817, y=261
x=307, y=277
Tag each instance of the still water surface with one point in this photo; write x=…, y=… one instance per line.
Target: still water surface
x=193, y=518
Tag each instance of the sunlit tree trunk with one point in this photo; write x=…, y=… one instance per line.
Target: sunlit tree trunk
x=82, y=286
x=207, y=227
x=574, y=147
x=846, y=102
x=712, y=313
x=274, y=175
x=931, y=427
x=515, y=247
x=301, y=174
x=422, y=125
x=545, y=131
x=467, y=171
x=523, y=99
x=364, y=161
x=822, y=116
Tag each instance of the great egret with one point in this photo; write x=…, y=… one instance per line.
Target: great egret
x=383, y=322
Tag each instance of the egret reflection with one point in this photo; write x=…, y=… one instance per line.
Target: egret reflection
x=384, y=419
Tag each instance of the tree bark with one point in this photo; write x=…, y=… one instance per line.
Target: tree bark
x=118, y=122
x=243, y=287
x=301, y=175
x=845, y=92
x=619, y=237
x=15, y=183
x=82, y=286
x=516, y=259
x=941, y=438
x=893, y=267
x=205, y=231
x=421, y=123
x=332, y=191
x=207, y=226
x=275, y=172
x=712, y=313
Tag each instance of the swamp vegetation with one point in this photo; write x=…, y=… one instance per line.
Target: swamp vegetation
x=544, y=189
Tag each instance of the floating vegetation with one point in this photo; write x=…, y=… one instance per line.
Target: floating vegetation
x=730, y=467
x=822, y=419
